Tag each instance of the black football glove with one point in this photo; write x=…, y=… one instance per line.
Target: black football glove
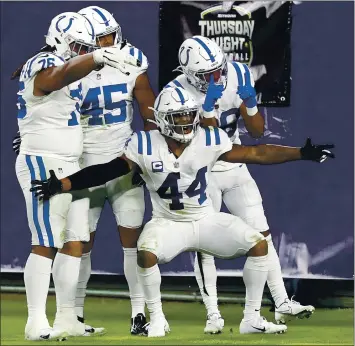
x=16, y=143
x=45, y=189
x=318, y=153
x=137, y=180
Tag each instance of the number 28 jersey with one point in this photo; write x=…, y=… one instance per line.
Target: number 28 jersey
x=107, y=108
x=177, y=186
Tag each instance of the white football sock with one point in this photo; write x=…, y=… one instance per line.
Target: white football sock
x=65, y=276
x=135, y=288
x=84, y=276
x=37, y=275
x=274, y=277
x=209, y=281
x=150, y=280
x=254, y=276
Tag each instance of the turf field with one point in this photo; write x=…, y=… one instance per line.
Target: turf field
x=333, y=327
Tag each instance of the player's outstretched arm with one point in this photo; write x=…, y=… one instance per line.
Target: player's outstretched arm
x=272, y=154
x=90, y=176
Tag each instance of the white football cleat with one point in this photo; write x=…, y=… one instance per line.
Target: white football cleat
x=91, y=331
x=214, y=323
x=290, y=310
x=69, y=323
x=261, y=325
x=158, y=327
x=38, y=330
x=34, y=333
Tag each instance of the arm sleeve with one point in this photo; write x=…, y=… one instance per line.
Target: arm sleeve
x=97, y=175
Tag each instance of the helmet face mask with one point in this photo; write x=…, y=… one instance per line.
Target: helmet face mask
x=176, y=114
x=182, y=124
x=79, y=48
x=117, y=37
x=219, y=76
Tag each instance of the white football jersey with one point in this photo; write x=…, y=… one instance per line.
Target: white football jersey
x=49, y=125
x=228, y=111
x=177, y=186
x=107, y=108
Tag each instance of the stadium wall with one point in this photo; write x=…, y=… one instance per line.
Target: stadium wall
x=309, y=206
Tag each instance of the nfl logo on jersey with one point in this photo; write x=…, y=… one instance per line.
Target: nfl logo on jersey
x=157, y=166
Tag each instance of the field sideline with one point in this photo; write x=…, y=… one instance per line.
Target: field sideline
x=332, y=327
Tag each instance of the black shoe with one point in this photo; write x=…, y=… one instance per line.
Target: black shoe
x=139, y=325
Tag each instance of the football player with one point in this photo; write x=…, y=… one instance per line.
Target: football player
x=48, y=118
x=175, y=162
x=107, y=114
x=200, y=59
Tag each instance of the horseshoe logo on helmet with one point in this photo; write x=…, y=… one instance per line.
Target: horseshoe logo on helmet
x=187, y=56
x=68, y=26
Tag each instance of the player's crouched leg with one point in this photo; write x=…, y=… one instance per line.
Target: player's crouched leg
x=227, y=236
x=161, y=240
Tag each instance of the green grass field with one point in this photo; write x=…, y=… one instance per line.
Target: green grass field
x=332, y=327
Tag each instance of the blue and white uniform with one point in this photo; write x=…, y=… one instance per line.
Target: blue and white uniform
x=183, y=215
x=231, y=181
x=106, y=118
x=51, y=139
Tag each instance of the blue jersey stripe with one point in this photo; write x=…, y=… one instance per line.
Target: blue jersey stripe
x=247, y=75
x=216, y=133
x=47, y=224
x=149, y=143
x=131, y=51
x=203, y=44
x=239, y=73
x=208, y=137
x=140, y=56
x=34, y=202
x=140, y=142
